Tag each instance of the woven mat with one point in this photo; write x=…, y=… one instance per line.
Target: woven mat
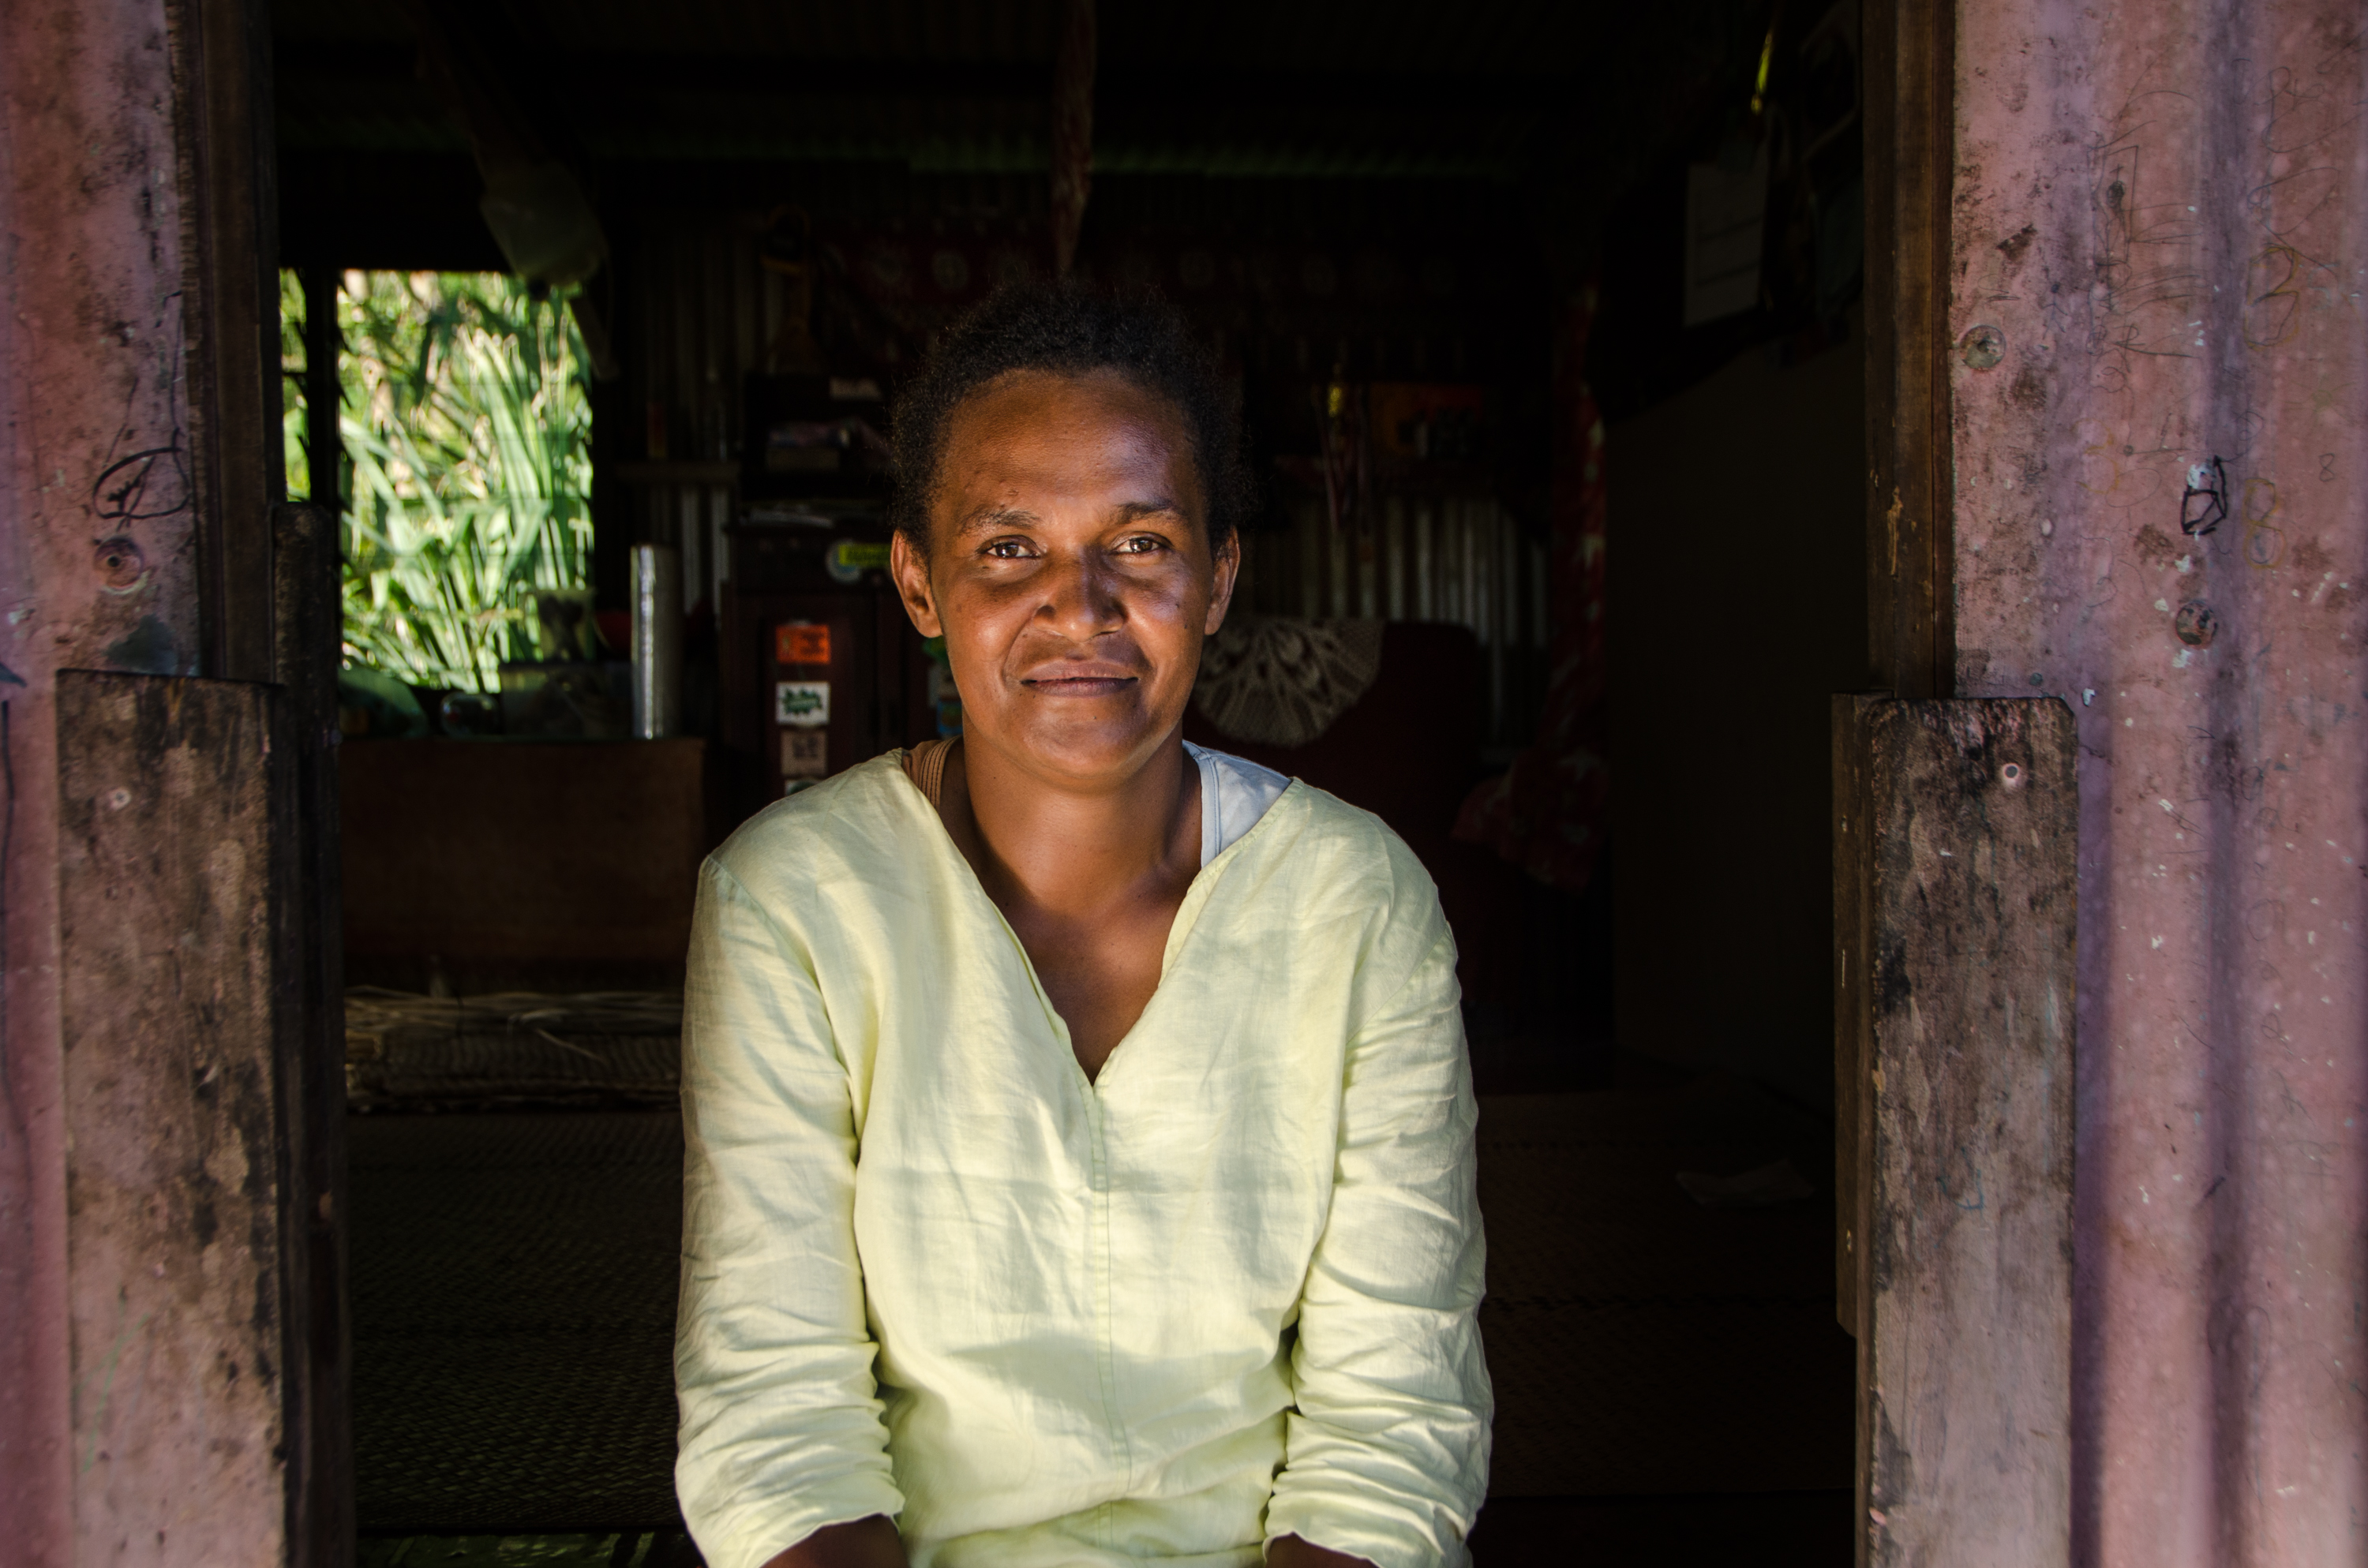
x=613, y=1048
x=514, y=1284
x=1640, y=1343
x=513, y=1287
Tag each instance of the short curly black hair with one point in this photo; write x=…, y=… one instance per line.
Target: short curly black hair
x=1069, y=328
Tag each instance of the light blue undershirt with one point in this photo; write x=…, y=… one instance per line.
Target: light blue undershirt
x=1233, y=794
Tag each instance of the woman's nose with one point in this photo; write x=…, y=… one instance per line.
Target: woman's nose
x=1081, y=597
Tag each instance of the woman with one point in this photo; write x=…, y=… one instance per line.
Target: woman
x=1102, y=1098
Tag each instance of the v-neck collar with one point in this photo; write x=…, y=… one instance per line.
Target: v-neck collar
x=1188, y=912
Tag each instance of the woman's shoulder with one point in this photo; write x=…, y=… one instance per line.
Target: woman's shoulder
x=1321, y=871
x=858, y=824
x=1319, y=835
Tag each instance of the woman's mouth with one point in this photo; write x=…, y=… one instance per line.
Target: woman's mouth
x=1079, y=684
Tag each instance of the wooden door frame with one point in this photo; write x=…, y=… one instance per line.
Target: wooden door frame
x=1955, y=878
x=269, y=600
x=227, y=174
x=1908, y=61
x=1911, y=97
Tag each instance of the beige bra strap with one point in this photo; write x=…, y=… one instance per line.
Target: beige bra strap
x=925, y=765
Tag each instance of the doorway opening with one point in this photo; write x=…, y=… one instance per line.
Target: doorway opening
x=1546, y=332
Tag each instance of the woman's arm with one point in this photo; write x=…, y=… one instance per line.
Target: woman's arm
x=873, y=1543
x=861, y=1543
x=781, y=1434
x=1290, y=1551
x=1386, y=1454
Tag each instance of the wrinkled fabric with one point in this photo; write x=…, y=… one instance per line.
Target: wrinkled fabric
x=1222, y=1293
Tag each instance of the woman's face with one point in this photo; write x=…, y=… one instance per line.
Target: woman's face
x=1069, y=570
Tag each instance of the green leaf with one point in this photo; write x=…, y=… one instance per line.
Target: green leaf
x=467, y=427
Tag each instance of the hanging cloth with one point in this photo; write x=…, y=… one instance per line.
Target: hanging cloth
x=1549, y=812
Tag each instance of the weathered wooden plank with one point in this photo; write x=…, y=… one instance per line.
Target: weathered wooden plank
x=226, y=167
x=308, y=633
x=325, y=450
x=1909, y=129
x=1852, y=869
x=1965, y=1341
x=230, y=258
x=170, y=947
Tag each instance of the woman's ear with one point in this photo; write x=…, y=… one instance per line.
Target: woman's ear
x=1221, y=595
x=910, y=568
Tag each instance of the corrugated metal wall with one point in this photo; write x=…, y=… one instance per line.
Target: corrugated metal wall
x=2161, y=216
x=699, y=314
x=1428, y=558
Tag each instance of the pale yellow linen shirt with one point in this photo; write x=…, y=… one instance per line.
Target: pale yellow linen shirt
x=1223, y=1293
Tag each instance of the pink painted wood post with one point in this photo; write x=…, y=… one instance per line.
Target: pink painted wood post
x=144, y=1317
x=91, y=337
x=2160, y=423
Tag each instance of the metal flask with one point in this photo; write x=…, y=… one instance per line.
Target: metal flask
x=657, y=641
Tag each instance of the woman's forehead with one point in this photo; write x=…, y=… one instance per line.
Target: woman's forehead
x=1023, y=401
x=1079, y=433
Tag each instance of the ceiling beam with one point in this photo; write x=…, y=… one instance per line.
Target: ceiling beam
x=1119, y=86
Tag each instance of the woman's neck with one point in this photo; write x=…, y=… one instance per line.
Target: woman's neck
x=1043, y=847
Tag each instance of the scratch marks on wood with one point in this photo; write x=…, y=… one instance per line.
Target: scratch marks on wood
x=2200, y=232
x=2272, y=304
x=2203, y=505
x=1962, y=1187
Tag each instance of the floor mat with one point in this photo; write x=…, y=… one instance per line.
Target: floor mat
x=514, y=1275
x=1640, y=1343
x=513, y=1287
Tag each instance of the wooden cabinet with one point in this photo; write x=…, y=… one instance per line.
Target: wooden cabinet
x=520, y=862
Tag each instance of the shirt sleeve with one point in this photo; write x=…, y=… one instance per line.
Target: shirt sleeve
x=1388, y=1450
x=781, y=1431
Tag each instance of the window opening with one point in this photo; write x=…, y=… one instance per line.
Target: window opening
x=466, y=481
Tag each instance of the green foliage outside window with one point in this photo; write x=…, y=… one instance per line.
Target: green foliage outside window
x=467, y=477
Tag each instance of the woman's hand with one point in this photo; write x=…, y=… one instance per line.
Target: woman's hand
x=1290, y=1551
x=869, y=1543
x=873, y=1543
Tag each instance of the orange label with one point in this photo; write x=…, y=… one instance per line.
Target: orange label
x=800, y=642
